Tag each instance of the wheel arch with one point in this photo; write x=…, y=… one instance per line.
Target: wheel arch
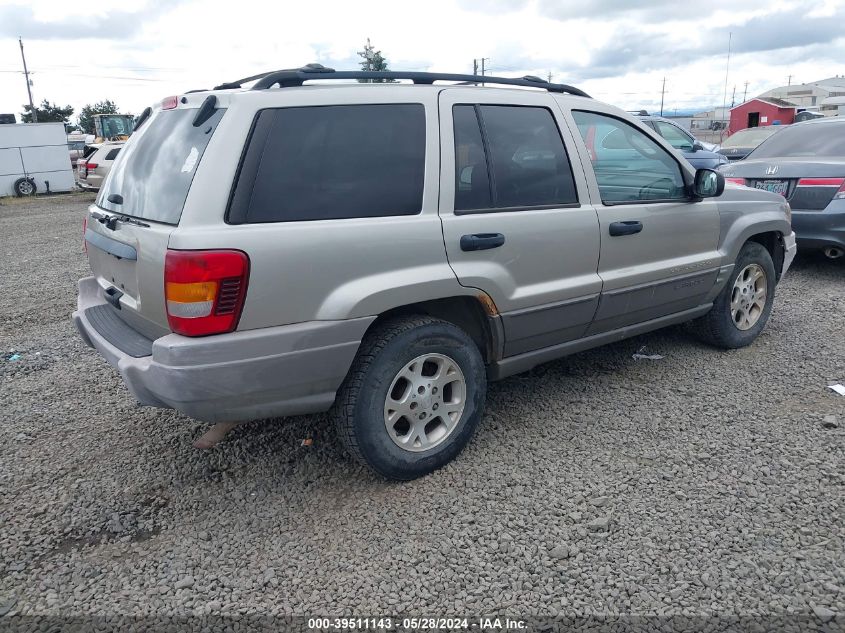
x=772, y=241
x=475, y=315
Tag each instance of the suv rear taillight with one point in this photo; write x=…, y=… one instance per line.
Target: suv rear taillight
x=204, y=290
x=840, y=193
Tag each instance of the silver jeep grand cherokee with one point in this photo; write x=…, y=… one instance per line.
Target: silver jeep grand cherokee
x=384, y=250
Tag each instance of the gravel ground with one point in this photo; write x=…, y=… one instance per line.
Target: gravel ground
x=707, y=482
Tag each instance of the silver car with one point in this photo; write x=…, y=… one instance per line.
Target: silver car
x=94, y=165
x=382, y=251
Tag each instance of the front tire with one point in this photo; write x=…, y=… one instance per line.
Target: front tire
x=413, y=397
x=742, y=308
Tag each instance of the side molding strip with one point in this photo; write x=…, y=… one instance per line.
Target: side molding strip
x=524, y=362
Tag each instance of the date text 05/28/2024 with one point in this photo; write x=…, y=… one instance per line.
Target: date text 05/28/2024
x=415, y=624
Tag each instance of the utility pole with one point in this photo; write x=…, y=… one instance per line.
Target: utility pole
x=28, y=88
x=483, y=59
x=662, y=93
x=745, y=94
x=789, y=80
x=474, y=66
x=550, y=76
x=733, y=97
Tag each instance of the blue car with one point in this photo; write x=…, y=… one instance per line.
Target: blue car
x=693, y=150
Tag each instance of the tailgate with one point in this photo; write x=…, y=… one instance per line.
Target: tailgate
x=128, y=263
x=139, y=206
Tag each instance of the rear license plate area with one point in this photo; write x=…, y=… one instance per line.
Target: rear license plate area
x=775, y=186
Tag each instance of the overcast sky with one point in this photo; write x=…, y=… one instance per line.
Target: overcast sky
x=137, y=52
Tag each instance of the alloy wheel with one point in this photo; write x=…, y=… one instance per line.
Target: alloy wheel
x=425, y=402
x=748, y=299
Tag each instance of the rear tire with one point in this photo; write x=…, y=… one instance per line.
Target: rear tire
x=742, y=308
x=24, y=187
x=413, y=397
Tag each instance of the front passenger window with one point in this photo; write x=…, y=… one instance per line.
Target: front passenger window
x=629, y=165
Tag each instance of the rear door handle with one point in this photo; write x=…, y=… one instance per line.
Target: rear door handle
x=628, y=227
x=481, y=241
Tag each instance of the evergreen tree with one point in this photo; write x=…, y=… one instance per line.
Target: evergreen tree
x=47, y=113
x=86, y=118
x=373, y=61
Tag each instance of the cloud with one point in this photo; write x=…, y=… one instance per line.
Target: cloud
x=494, y=6
x=785, y=29
x=632, y=49
x=18, y=20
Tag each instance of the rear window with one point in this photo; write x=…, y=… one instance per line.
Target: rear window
x=112, y=154
x=154, y=171
x=823, y=140
x=332, y=162
x=750, y=137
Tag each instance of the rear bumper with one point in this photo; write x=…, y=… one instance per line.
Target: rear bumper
x=286, y=370
x=92, y=182
x=819, y=229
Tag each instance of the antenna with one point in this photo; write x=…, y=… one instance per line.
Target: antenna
x=725, y=101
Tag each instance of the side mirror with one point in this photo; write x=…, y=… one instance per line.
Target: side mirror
x=708, y=183
x=697, y=146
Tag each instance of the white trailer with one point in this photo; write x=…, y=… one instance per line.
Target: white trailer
x=34, y=158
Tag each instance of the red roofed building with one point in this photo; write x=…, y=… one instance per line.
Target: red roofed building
x=759, y=112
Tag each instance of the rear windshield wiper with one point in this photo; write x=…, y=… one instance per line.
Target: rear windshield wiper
x=110, y=221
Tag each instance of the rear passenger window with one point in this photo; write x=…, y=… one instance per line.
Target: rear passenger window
x=509, y=157
x=112, y=154
x=472, y=185
x=332, y=162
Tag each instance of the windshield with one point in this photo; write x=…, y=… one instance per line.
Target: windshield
x=111, y=125
x=821, y=140
x=154, y=171
x=751, y=137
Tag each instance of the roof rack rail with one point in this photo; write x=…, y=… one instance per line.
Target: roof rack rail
x=229, y=85
x=311, y=72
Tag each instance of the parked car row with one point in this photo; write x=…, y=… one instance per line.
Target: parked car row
x=381, y=251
